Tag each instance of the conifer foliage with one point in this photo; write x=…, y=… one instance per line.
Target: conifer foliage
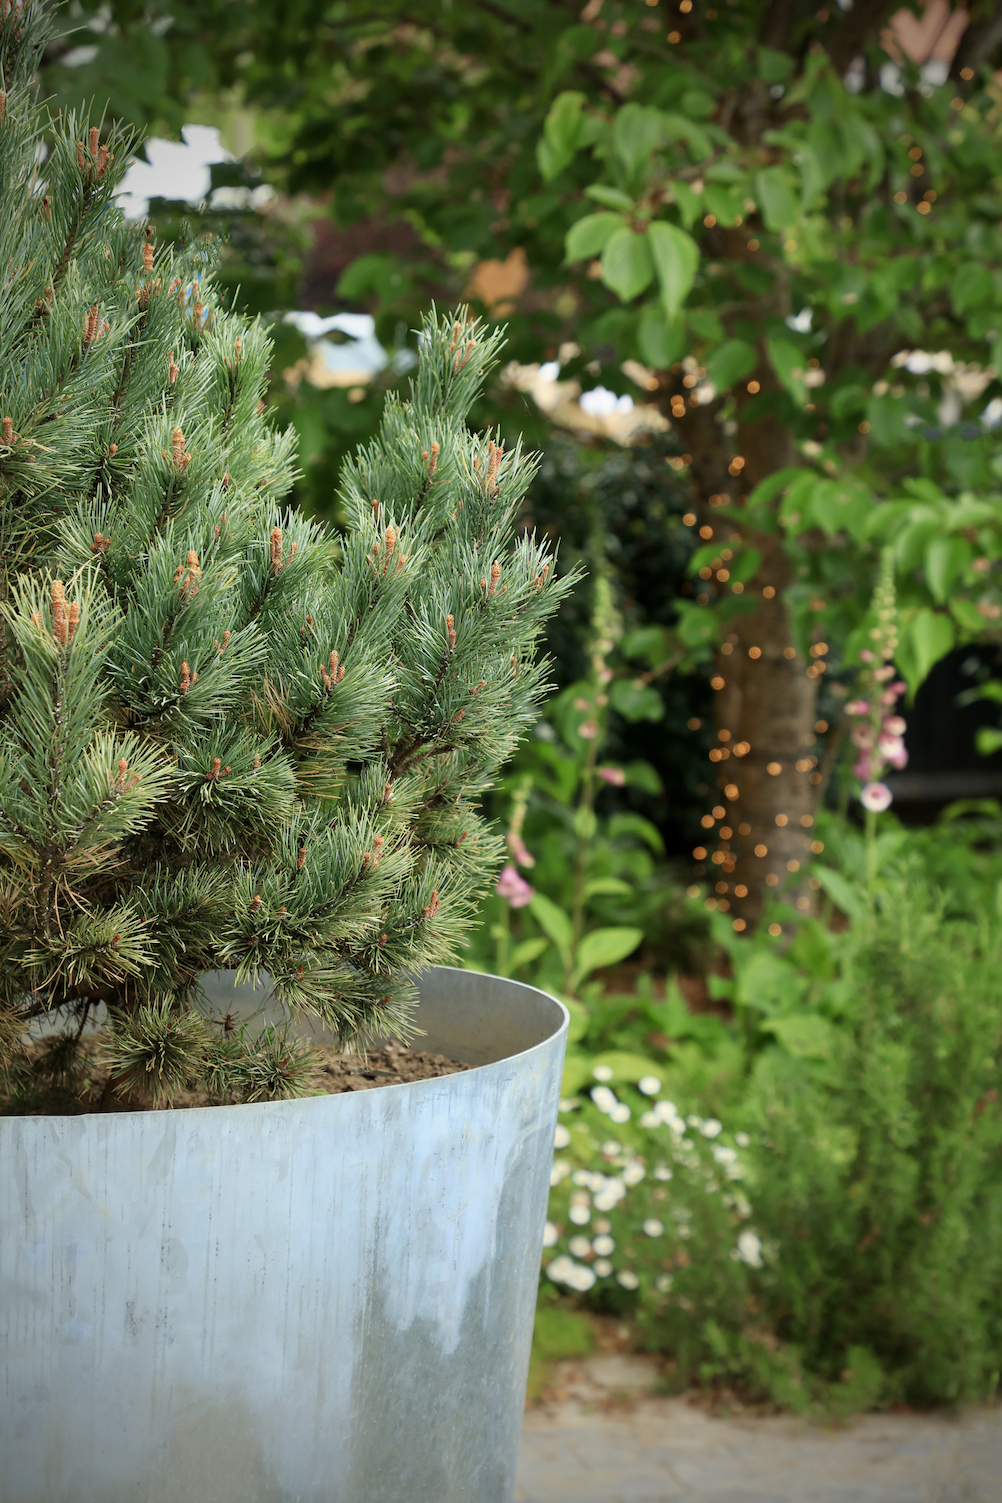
x=228, y=737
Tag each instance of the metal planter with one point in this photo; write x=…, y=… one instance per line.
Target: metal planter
x=318, y=1301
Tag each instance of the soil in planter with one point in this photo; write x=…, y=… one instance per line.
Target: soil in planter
x=333, y=1074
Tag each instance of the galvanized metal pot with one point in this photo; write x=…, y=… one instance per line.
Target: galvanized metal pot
x=318, y=1301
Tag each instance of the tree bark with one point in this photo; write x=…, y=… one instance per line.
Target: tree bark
x=765, y=768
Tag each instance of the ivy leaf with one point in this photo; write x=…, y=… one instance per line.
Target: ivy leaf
x=676, y=257
x=561, y=134
x=589, y=235
x=626, y=264
x=776, y=197
x=730, y=362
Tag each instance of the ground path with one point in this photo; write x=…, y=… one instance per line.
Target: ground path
x=603, y=1441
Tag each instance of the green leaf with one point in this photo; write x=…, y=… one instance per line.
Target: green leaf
x=698, y=104
x=635, y=824
x=924, y=640
x=987, y=739
x=659, y=342
x=602, y=947
x=624, y=1066
x=652, y=643
x=731, y=362
x=745, y=565
x=774, y=67
x=636, y=701
x=946, y=559
x=689, y=203
x=805, y=1035
x=642, y=775
x=527, y=951
x=561, y=133
x=776, y=198
x=588, y=236
x=636, y=131
x=788, y=362
x=626, y=264
x=554, y=922
x=843, y=893
x=676, y=258
x=611, y=198
x=768, y=489
x=607, y=887
x=679, y=128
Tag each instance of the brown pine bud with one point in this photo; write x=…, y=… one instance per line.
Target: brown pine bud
x=185, y=678
x=74, y=620
x=450, y=629
x=275, y=550
x=60, y=618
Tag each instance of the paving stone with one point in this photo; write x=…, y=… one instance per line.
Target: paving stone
x=581, y=1450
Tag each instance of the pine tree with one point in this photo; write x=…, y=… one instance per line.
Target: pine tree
x=228, y=736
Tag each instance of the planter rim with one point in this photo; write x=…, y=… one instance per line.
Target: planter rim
x=329, y=1096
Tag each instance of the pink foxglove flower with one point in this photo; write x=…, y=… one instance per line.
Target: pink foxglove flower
x=514, y=887
x=523, y=856
x=894, y=725
x=857, y=707
x=890, y=747
x=588, y=730
x=614, y=776
x=877, y=797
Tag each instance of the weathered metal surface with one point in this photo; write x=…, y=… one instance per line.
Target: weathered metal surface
x=320, y=1301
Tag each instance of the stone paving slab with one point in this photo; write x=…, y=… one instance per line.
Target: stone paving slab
x=659, y=1450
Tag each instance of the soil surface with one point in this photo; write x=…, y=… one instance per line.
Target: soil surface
x=393, y=1065
x=334, y=1073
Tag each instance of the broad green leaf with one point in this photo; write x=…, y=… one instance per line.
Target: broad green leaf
x=987, y=739
x=527, y=951
x=967, y=617
x=767, y=982
x=659, y=342
x=636, y=701
x=652, y=643
x=588, y=236
x=642, y=775
x=554, y=922
x=774, y=67
x=636, y=131
x=926, y=638
x=607, y=887
x=972, y=287
x=625, y=1067
x=681, y=129
x=696, y=627
x=776, y=198
x=577, y=1067
x=626, y=264
x=690, y=205
x=768, y=489
x=676, y=257
x=843, y=893
x=946, y=559
x=730, y=363
x=787, y=360
x=698, y=104
x=744, y=565
x=725, y=204
x=611, y=198
x=602, y=947
x=635, y=824
x=803, y=1034
x=561, y=132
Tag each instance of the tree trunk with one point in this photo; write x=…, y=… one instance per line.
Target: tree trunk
x=765, y=767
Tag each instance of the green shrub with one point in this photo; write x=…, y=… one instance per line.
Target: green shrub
x=844, y=1251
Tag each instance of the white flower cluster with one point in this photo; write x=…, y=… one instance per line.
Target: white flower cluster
x=589, y=1257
